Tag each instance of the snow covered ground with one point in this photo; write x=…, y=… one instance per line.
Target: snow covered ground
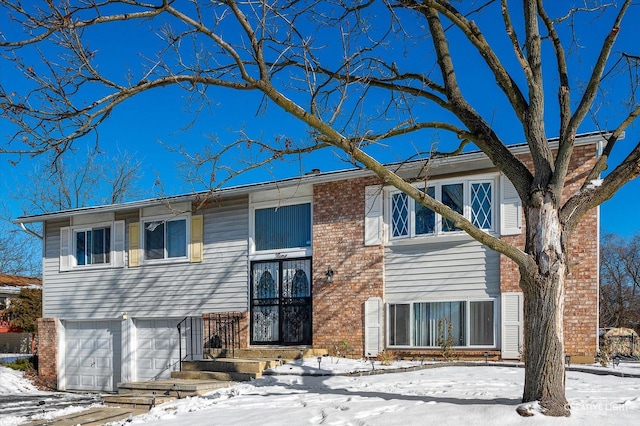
x=449, y=395
x=20, y=401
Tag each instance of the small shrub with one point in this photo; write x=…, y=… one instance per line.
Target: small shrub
x=20, y=364
x=445, y=338
x=384, y=358
x=340, y=349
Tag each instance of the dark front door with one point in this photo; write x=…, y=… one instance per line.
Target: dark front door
x=281, y=302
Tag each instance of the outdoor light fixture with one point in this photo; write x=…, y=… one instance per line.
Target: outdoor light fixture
x=329, y=275
x=567, y=360
x=486, y=357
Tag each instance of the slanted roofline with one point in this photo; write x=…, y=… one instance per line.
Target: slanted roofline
x=475, y=160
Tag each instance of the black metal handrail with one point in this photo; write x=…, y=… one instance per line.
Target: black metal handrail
x=191, y=327
x=222, y=331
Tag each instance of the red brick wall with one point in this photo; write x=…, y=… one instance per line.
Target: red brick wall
x=48, y=351
x=581, y=296
x=338, y=243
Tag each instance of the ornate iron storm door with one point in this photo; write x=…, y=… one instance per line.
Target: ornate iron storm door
x=281, y=302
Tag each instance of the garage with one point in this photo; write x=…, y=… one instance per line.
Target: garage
x=92, y=357
x=158, y=348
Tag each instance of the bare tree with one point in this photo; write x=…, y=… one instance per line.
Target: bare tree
x=19, y=254
x=67, y=182
x=59, y=183
x=360, y=75
x=620, y=282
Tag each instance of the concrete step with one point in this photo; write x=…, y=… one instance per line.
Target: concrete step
x=91, y=417
x=287, y=354
x=228, y=365
x=215, y=375
x=143, y=402
x=178, y=387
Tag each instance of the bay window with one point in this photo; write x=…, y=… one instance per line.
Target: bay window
x=422, y=324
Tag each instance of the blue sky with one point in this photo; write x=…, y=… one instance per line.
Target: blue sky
x=144, y=125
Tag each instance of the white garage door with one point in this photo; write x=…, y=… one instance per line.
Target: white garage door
x=92, y=355
x=158, y=350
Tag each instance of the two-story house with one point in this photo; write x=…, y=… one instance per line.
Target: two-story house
x=324, y=260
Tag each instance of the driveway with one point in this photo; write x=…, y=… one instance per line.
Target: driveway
x=29, y=405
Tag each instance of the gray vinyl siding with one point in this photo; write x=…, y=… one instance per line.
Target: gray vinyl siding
x=434, y=270
x=218, y=284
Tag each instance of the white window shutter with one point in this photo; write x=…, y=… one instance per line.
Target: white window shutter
x=197, y=239
x=118, y=243
x=510, y=208
x=134, y=244
x=65, y=249
x=373, y=326
x=511, y=325
x=373, y=215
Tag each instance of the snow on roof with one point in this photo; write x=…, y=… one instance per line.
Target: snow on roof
x=19, y=281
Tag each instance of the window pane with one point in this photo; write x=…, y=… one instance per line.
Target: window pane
x=481, y=195
x=154, y=240
x=422, y=330
x=452, y=197
x=425, y=218
x=399, y=214
x=283, y=227
x=430, y=318
x=100, y=245
x=399, y=317
x=177, y=238
x=81, y=248
x=481, y=323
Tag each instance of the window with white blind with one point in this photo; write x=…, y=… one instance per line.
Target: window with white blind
x=420, y=324
x=282, y=227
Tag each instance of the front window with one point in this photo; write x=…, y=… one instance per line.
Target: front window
x=472, y=199
x=282, y=227
x=429, y=324
x=165, y=239
x=92, y=246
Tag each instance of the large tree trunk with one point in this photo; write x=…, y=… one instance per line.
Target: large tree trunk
x=544, y=309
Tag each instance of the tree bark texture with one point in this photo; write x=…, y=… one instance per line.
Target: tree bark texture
x=544, y=294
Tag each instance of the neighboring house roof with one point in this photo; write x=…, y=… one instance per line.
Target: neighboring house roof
x=11, y=284
x=465, y=162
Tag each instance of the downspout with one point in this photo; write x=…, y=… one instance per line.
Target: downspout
x=30, y=232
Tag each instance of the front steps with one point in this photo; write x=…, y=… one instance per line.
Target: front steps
x=146, y=395
x=246, y=365
x=202, y=376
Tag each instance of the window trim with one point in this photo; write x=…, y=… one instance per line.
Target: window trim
x=290, y=252
x=165, y=218
x=467, y=330
x=437, y=184
x=73, y=261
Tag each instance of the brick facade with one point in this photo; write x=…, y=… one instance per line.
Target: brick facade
x=48, y=351
x=581, y=295
x=338, y=243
